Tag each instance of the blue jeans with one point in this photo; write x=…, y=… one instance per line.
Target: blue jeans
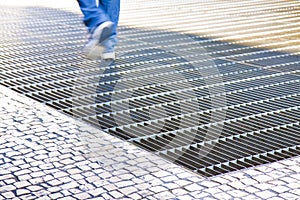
x=107, y=10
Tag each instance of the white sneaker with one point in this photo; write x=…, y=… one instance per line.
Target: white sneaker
x=93, y=49
x=109, y=56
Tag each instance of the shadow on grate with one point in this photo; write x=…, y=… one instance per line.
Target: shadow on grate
x=211, y=106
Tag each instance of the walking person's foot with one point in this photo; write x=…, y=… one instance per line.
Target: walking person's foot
x=93, y=49
x=108, y=55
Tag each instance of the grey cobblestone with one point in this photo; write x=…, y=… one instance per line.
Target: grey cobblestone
x=296, y=192
x=128, y=190
x=237, y=185
x=280, y=189
x=116, y=194
x=266, y=194
x=288, y=195
x=263, y=186
x=135, y=196
x=251, y=197
x=238, y=193
x=179, y=192
x=164, y=195
x=275, y=198
x=222, y=195
x=293, y=185
x=8, y=195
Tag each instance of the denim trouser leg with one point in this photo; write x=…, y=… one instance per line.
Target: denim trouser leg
x=112, y=8
x=93, y=14
x=107, y=10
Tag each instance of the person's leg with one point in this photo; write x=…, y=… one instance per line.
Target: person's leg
x=112, y=8
x=93, y=14
x=99, y=26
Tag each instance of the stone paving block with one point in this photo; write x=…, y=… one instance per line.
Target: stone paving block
x=158, y=189
x=161, y=174
x=75, y=191
x=237, y=193
x=31, y=197
x=249, y=181
x=164, y=195
x=293, y=185
x=145, y=193
x=116, y=194
x=65, y=179
x=289, y=162
x=225, y=187
x=34, y=188
x=212, y=190
x=110, y=187
x=295, y=168
x=128, y=190
x=22, y=172
x=263, y=186
x=67, y=198
x=55, y=182
x=124, y=184
x=194, y=187
x=20, y=192
x=7, y=188
x=222, y=195
x=199, y=194
x=54, y=189
x=10, y=181
x=266, y=194
x=220, y=180
x=280, y=189
x=155, y=182
x=69, y=185
x=8, y=195
x=263, y=178
x=137, y=180
x=97, y=192
x=251, y=189
x=185, y=197
x=105, y=175
x=250, y=197
x=56, y=195
x=179, y=192
x=275, y=198
x=101, y=183
x=296, y=191
x=83, y=196
x=135, y=196
x=169, y=178
x=237, y=185
x=126, y=176
x=289, y=180
x=183, y=183
x=289, y=196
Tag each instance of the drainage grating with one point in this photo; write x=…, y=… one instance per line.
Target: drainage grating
x=204, y=103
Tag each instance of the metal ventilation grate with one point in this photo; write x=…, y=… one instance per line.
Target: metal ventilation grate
x=209, y=105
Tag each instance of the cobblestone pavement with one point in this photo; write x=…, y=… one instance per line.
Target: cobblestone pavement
x=45, y=154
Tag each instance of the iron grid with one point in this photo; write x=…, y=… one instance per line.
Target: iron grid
x=261, y=83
